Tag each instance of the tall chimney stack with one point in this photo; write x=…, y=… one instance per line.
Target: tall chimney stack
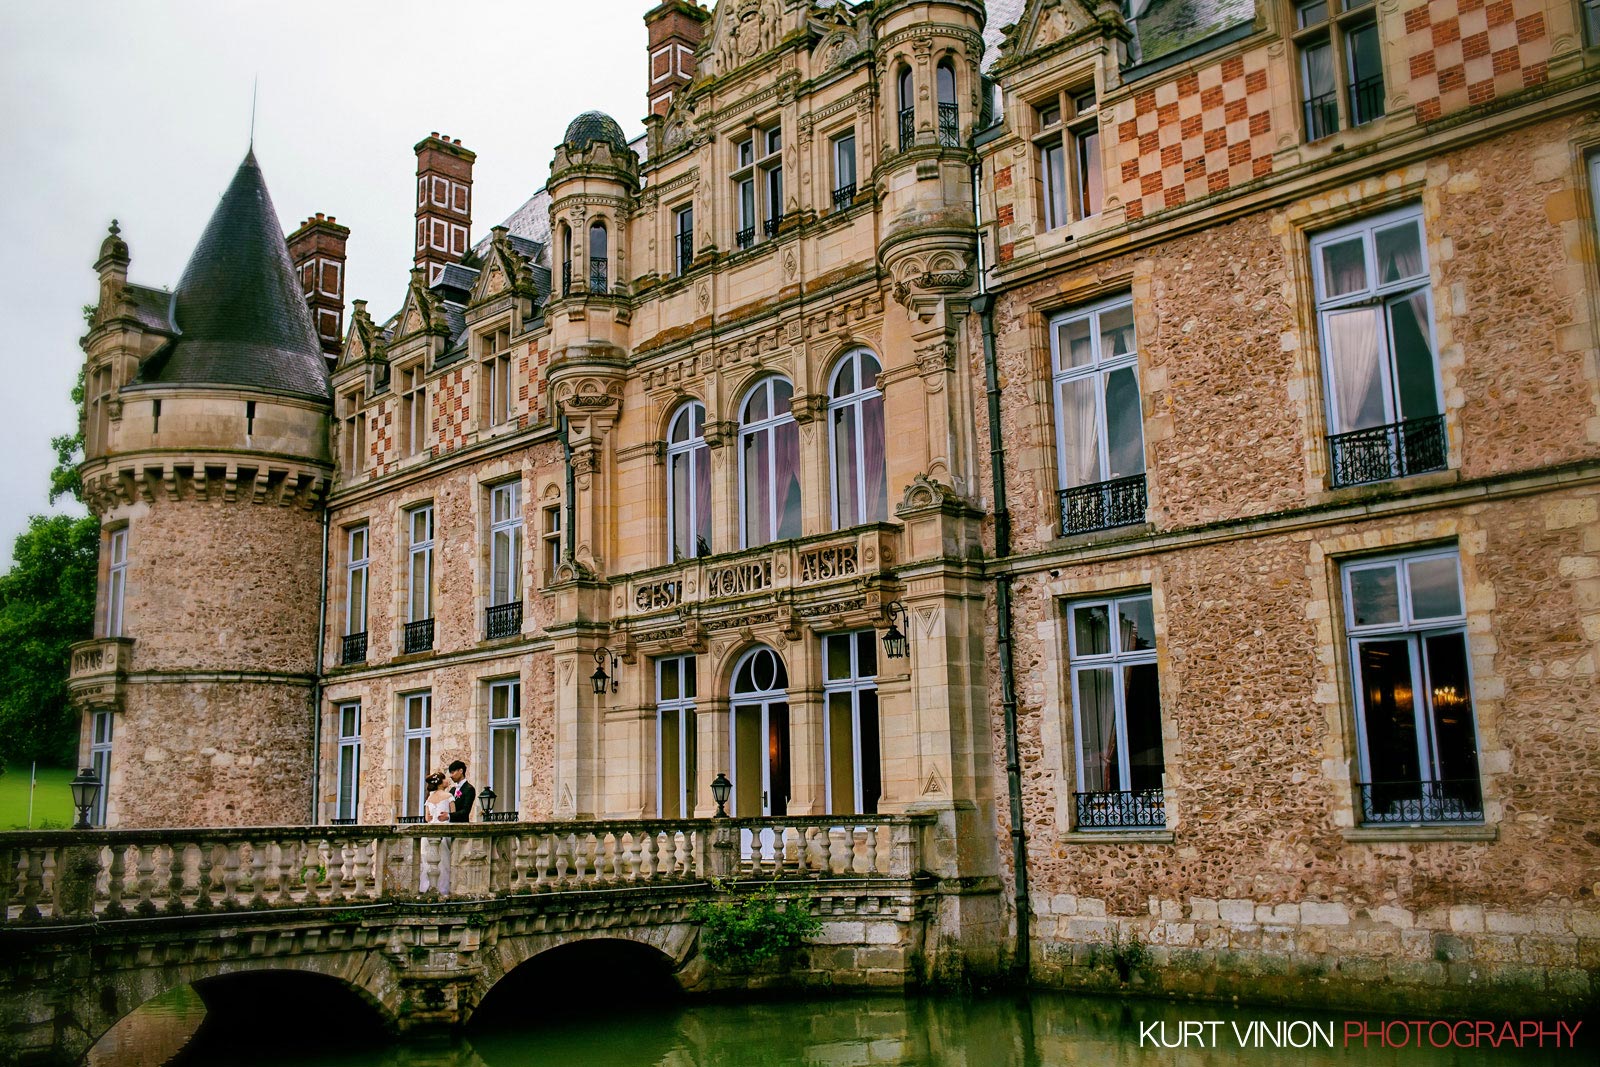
x=444, y=203
x=317, y=250
x=676, y=28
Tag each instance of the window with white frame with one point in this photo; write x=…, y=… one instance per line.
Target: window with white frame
x=844, y=169
x=1069, y=157
x=416, y=723
x=688, y=483
x=1116, y=704
x=354, y=432
x=1341, y=64
x=347, y=788
x=769, y=464
x=413, y=409
x=505, y=745
x=1099, y=422
x=355, y=590
x=116, y=581
x=758, y=184
x=676, y=688
x=419, y=591
x=1407, y=625
x=856, y=441
x=505, y=538
x=1375, y=320
x=852, y=758
x=101, y=725
x=495, y=376
x=552, y=542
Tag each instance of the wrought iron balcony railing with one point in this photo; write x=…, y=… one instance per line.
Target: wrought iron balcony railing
x=844, y=196
x=950, y=125
x=411, y=820
x=503, y=620
x=418, y=636
x=1379, y=453
x=908, y=128
x=566, y=277
x=745, y=237
x=342, y=822
x=1119, y=502
x=770, y=226
x=685, y=251
x=1451, y=800
x=1142, y=809
x=354, y=648
x=1322, y=116
x=501, y=816
x=1366, y=100
x=599, y=273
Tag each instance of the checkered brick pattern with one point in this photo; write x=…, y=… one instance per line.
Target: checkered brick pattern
x=381, y=441
x=452, y=411
x=1193, y=136
x=532, y=395
x=1468, y=53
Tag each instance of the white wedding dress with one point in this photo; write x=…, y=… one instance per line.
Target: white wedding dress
x=436, y=850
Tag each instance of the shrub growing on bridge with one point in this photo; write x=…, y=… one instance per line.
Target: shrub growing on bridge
x=741, y=932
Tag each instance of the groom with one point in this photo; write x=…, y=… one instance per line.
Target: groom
x=462, y=790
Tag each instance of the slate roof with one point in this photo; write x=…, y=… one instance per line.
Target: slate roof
x=1002, y=13
x=151, y=307
x=592, y=126
x=240, y=314
x=1162, y=27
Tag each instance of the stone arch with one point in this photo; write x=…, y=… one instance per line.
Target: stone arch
x=675, y=944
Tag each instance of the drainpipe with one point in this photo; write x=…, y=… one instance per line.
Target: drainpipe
x=983, y=304
x=570, y=505
x=316, y=673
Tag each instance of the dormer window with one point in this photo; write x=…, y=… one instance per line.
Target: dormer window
x=495, y=364
x=1069, y=157
x=413, y=409
x=1341, y=64
x=354, y=427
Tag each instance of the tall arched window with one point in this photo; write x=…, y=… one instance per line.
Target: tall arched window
x=599, y=264
x=688, y=483
x=566, y=260
x=949, y=114
x=855, y=441
x=769, y=464
x=758, y=734
x=907, y=103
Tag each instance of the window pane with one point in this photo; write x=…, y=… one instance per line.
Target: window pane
x=1142, y=706
x=786, y=437
x=1399, y=250
x=1137, y=625
x=1097, y=724
x=867, y=654
x=757, y=490
x=846, y=472
x=1089, y=185
x=1366, y=73
x=1455, y=739
x=668, y=685
x=358, y=601
x=1352, y=338
x=503, y=756
x=348, y=769
x=688, y=676
x=1435, y=588
x=1309, y=14
x=844, y=379
x=1080, y=433
x=836, y=656
x=679, y=506
x=419, y=586
x=871, y=761
x=667, y=770
x=875, y=487
x=1374, y=596
x=701, y=467
x=1124, y=428
x=1317, y=60
x=1074, y=346
x=841, y=752
x=1413, y=356
x=1116, y=332
x=1388, y=709
x=1091, y=626
x=1344, y=267
x=1055, y=185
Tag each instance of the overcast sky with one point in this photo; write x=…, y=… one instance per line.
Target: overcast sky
x=139, y=110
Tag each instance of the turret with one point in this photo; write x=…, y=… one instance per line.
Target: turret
x=206, y=463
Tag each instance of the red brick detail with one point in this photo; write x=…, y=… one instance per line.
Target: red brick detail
x=1171, y=155
x=1537, y=74
x=1480, y=92
x=1474, y=47
x=1423, y=64
x=1235, y=111
x=1167, y=114
x=1134, y=210
x=1149, y=142
x=1445, y=32
x=1239, y=152
x=1144, y=103
x=1008, y=252
x=1002, y=178
x=1194, y=168
x=1215, y=139
x=1130, y=170
x=1173, y=196
x=1507, y=60
x=1128, y=131
x=1530, y=27
x=1007, y=214
x=1428, y=110
x=1417, y=19
x=1211, y=98
x=1255, y=81
x=1465, y=6
x=1232, y=67
x=1262, y=165
x=1499, y=13
x=1150, y=183
x=1217, y=181
x=1190, y=127
x=1260, y=122
x=1189, y=84
x=1452, y=78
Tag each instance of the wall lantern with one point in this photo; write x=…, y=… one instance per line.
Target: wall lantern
x=720, y=788
x=896, y=645
x=600, y=677
x=486, y=803
x=85, y=791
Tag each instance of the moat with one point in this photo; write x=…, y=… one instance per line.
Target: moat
x=1029, y=1030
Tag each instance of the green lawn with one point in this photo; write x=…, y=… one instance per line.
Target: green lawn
x=52, y=800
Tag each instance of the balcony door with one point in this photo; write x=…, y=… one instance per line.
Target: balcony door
x=758, y=725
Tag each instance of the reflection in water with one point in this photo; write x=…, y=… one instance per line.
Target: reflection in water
x=1033, y=1030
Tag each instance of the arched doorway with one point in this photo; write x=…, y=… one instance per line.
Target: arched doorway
x=758, y=733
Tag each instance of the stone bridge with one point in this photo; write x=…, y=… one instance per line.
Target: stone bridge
x=422, y=927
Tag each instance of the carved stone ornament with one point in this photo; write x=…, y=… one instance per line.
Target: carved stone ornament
x=925, y=492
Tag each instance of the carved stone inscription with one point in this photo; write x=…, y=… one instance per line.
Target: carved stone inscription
x=739, y=578
x=830, y=561
x=658, y=595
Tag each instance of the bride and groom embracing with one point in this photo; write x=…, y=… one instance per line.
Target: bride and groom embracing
x=452, y=802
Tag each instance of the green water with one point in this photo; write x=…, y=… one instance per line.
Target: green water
x=1035, y=1030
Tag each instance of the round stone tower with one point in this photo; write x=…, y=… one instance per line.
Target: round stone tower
x=206, y=422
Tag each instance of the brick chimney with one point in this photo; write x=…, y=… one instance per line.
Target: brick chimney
x=676, y=28
x=444, y=203
x=317, y=250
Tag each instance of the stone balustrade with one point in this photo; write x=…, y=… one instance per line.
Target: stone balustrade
x=67, y=876
x=97, y=670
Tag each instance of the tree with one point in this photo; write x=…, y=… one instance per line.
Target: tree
x=46, y=604
x=64, y=479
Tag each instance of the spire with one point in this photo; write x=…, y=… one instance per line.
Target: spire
x=241, y=316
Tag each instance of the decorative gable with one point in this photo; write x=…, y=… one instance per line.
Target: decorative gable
x=423, y=311
x=1051, y=22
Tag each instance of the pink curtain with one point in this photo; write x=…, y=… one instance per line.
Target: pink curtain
x=786, y=484
x=876, y=505
x=702, y=498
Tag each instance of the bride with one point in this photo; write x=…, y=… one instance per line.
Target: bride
x=436, y=850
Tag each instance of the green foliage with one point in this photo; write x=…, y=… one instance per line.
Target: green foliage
x=89, y=313
x=741, y=932
x=64, y=479
x=46, y=604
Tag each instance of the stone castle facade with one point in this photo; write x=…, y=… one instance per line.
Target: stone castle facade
x=1207, y=392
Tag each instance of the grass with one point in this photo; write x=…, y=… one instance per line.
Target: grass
x=52, y=801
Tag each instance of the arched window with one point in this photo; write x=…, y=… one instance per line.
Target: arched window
x=907, y=102
x=598, y=262
x=688, y=483
x=769, y=464
x=855, y=441
x=566, y=260
x=758, y=735
x=949, y=114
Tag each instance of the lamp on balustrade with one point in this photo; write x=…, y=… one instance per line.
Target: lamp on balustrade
x=896, y=645
x=600, y=677
x=85, y=792
x=486, y=803
x=720, y=788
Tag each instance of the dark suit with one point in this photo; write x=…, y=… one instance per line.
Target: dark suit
x=462, y=808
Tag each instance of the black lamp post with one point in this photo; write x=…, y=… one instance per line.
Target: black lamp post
x=600, y=677
x=85, y=791
x=720, y=788
x=896, y=645
x=486, y=803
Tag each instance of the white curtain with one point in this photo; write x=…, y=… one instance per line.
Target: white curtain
x=1353, y=362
